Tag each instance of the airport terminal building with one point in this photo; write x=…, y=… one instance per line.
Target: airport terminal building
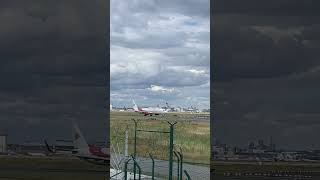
x=3, y=143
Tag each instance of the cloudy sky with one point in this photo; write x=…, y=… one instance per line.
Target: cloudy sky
x=267, y=72
x=52, y=69
x=159, y=52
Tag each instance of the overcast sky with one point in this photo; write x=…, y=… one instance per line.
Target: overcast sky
x=52, y=69
x=160, y=52
x=267, y=72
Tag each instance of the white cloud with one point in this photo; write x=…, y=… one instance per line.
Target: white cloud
x=197, y=72
x=161, y=89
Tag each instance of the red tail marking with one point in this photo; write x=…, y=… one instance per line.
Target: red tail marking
x=97, y=151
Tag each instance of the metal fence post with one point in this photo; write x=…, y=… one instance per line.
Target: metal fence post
x=135, y=147
x=171, y=150
x=178, y=163
x=125, y=169
x=152, y=166
x=188, y=176
x=181, y=162
x=135, y=162
x=126, y=143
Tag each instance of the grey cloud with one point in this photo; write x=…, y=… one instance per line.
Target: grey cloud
x=53, y=65
x=153, y=41
x=148, y=37
x=192, y=7
x=242, y=52
x=266, y=78
x=267, y=8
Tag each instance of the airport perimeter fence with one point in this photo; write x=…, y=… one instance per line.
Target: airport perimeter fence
x=152, y=149
x=149, y=141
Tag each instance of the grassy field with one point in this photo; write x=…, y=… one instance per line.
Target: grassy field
x=220, y=168
x=46, y=168
x=191, y=134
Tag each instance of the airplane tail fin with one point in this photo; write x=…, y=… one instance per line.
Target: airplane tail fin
x=135, y=107
x=79, y=141
x=48, y=147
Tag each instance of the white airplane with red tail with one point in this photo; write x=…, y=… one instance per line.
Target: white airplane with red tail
x=149, y=111
x=83, y=150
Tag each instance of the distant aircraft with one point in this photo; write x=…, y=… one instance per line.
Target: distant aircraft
x=149, y=110
x=82, y=150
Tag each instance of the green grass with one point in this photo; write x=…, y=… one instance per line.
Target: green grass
x=233, y=167
x=191, y=135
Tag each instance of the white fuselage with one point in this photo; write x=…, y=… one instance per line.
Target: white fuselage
x=149, y=110
x=153, y=110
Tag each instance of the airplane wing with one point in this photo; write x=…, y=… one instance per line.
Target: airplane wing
x=95, y=160
x=54, y=150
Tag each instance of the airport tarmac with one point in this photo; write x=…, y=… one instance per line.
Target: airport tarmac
x=49, y=168
x=232, y=170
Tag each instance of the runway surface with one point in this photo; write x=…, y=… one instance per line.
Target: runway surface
x=161, y=168
x=48, y=174
x=13, y=168
x=49, y=170
x=236, y=170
